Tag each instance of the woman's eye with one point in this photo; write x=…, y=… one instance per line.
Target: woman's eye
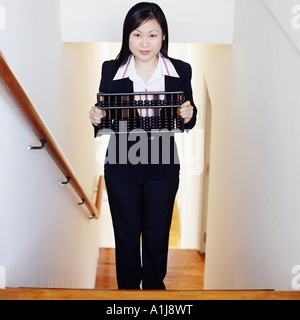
x=153, y=36
x=136, y=35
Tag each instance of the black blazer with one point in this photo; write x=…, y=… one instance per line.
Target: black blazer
x=139, y=172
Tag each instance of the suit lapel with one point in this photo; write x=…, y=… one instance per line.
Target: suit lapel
x=123, y=86
x=173, y=84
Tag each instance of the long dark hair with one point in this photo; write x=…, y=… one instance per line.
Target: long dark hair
x=138, y=14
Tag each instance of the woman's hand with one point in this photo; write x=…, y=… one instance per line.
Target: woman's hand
x=186, y=111
x=96, y=115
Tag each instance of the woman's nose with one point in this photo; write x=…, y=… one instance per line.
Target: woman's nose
x=145, y=42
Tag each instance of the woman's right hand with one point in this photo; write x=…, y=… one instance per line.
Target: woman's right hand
x=96, y=115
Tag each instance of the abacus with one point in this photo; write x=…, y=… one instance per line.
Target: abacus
x=141, y=111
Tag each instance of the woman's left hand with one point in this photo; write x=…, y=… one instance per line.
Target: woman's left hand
x=186, y=111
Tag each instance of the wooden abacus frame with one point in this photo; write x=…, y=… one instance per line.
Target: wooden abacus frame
x=123, y=121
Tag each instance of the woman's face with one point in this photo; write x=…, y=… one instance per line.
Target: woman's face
x=146, y=41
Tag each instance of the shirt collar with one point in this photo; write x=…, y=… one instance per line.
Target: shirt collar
x=164, y=68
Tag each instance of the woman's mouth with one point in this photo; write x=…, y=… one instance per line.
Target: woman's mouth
x=144, y=52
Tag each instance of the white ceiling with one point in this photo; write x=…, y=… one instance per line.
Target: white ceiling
x=190, y=21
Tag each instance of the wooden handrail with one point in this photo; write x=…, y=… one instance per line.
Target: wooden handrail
x=21, y=99
x=101, y=185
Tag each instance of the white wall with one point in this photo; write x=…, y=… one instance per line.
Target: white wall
x=190, y=149
x=100, y=21
x=44, y=239
x=61, y=81
x=253, y=221
x=287, y=13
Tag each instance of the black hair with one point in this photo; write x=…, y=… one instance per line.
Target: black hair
x=142, y=12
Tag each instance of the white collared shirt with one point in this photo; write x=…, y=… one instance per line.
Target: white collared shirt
x=155, y=83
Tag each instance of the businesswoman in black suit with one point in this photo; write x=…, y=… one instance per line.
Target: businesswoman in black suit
x=141, y=195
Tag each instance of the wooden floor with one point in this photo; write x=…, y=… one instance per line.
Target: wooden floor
x=175, y=234
x=185, y=270
x=185, y=267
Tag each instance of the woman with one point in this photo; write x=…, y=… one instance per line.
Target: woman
x=142, y=195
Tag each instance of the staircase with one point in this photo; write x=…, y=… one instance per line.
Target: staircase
x=184, y=281
x=185, y=275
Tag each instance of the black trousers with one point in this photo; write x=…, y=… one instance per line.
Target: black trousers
x=141, y=208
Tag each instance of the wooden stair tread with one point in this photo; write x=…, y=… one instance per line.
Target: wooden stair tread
x=64, y=294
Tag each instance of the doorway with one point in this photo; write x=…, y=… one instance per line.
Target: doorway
x=206, y=173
